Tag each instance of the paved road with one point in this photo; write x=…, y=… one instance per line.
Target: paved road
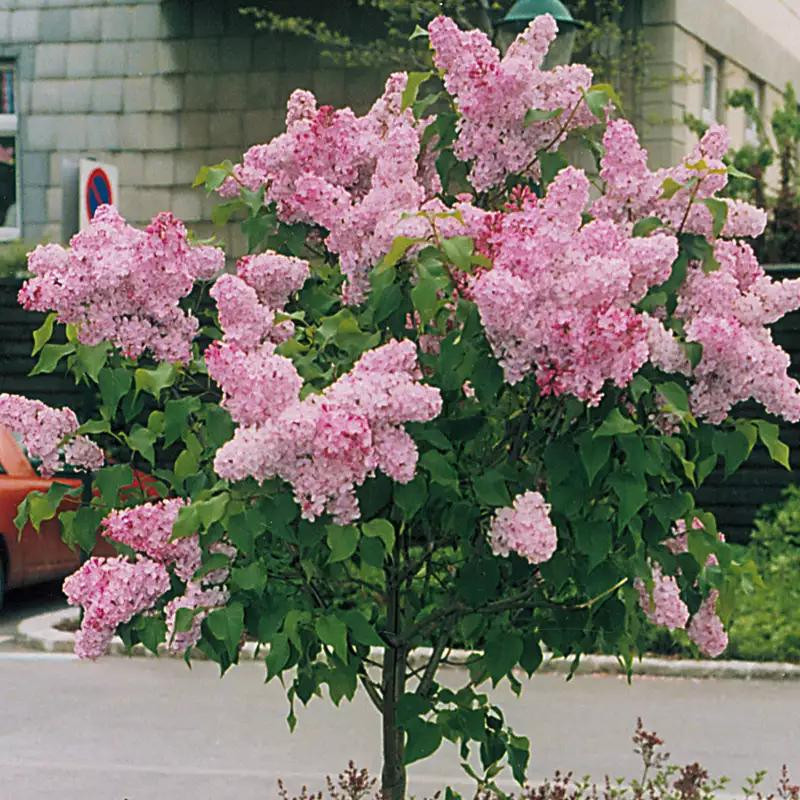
x=143, y=729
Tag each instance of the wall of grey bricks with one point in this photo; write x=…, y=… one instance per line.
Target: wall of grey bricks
x=157, y=87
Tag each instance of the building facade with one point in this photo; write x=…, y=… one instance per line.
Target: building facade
x=703, y=49
x=155, y=87
x=159, y=87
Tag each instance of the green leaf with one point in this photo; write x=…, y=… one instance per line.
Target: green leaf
x=594, y=453
x=176, y=416
x=733, y=446
x=422, y=740
x=440, y=469
x=93, y=358
x=719, y=213
x=79, y=528
x=227, y=625
x=425, y=298
x=770, y=438
x=675, y=395
x=184, y=619
x=186, y=464
x=670, y=187
x=43, y=334
x=360, y=628
x=110, y=480
x=551, y=164
x=644, y=227
x=186, y=523
x=632, y=494
x=459, y=250
x=278, y=655
x=50, y=356
x=252, y=578
x=615, y=423
x=382, y=529
x=501, y=652
x=410, y=707
x=151, y=632
x=410, y=497
x=94, y=426
x=342, y=541
x=114, y=385
x=333, y=632
x=419, y=33
x=141, y=440
x=154, y=381
x=491, y=490
x=594, y=540
x=244, y=528
x=398, y=249
x=540, y=115
x=212, y=510
x=414, y=81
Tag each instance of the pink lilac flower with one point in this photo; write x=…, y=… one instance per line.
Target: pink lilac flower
x=203, y=601
x=244, y=319
x=354, y=176
x=494, y=94
x=273, y=276
x=727, y=312
x=112, y=591
x=43, y=430
x=123, y=285
x=148, y=529
x=524, y=529
x=326, y=445
x=558, y=301
x=706, y=629
x=665, y=607
x=256, y=385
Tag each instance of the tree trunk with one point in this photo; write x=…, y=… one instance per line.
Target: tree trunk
x=393, y=779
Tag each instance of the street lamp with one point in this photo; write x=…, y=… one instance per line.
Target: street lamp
x=523, y=12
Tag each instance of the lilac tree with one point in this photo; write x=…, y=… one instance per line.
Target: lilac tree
x=452, y=398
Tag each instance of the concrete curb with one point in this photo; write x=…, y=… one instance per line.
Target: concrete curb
x=39, y=633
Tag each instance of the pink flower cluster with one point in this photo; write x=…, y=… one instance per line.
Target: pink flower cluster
x=633, y=192
x=494, y=94
x=354, y=176
x=255, y=381
x=326, y=445
x=524, y=529
x=48, y=434
x=148, y=529
x=559, y=298
x=726, y=311
x=123, y=285
x=665, y=606
x=112, y=591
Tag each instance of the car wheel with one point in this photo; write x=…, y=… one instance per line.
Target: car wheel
x=2, y=580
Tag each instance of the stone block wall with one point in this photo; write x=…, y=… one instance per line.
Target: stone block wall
x=157, y=87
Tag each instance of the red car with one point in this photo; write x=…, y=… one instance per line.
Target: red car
x=32, y=557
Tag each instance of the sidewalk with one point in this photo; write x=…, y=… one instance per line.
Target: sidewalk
x=40, y=633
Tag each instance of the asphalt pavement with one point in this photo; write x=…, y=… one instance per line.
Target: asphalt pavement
x=147, y=729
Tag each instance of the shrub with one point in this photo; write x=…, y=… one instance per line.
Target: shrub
x=767, y=624
x=14, y=259
x=449, y=398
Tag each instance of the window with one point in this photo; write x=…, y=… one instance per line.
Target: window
x=710, y=89
x=750, y=128
x=9, y=176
